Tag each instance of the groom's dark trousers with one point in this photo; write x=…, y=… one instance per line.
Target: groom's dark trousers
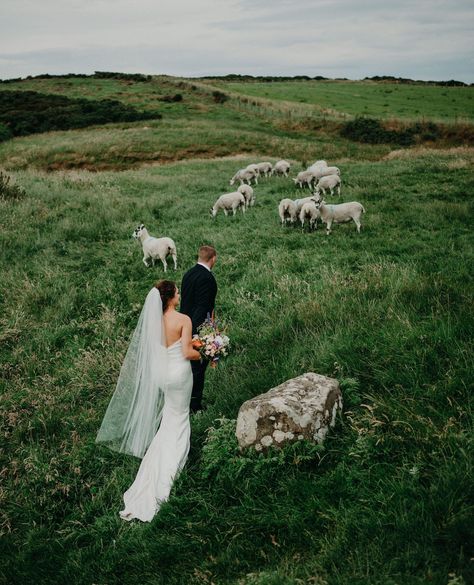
x=198, y=296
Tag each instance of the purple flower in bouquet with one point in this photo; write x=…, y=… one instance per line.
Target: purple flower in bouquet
x=210, y=341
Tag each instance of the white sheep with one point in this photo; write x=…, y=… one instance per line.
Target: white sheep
x=300, y=202
x=309, y=212
x=247, y=192
x=253, y=167
x=245, y=176
x=340, y=213
x=304, y=178
x=330, y=182
x=287, y=211
x=155, y=248
x=282, y=167
x=324, y=171
x=229, y=202
x=265, y=168
x=319, y=164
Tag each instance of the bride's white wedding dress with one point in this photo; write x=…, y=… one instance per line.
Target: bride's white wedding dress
x=169, y=448
x=154, y=386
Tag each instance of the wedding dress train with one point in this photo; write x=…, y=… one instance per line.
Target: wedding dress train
x=169, y=449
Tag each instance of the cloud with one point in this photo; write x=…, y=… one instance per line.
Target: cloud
x=426, y=39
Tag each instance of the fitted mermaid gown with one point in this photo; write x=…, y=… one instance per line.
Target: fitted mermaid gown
x=169, y=448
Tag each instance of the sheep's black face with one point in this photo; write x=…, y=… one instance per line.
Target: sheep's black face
x=137, y=231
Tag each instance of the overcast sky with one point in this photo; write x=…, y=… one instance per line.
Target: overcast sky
x=421, y=39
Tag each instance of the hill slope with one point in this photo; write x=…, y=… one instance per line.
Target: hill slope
x=388, y=312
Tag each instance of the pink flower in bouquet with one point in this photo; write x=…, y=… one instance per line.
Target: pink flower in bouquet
x=210, y=341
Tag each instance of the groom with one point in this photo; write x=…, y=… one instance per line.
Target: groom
x=198, y=295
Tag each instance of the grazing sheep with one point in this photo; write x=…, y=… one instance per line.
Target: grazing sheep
x=155, y=248
x=318, y=165
x=309, y=212
x=340, y=213
x=330, y=182
x=254, y=168
x=247, y=192
x=245, y=175
x=300, y=202
x=265, y=168
x=304, y=178
x=325, y=171
x=287, y=211
x=229, y=202
x=282, y=167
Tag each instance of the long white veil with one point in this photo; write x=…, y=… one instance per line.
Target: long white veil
x=134, y=412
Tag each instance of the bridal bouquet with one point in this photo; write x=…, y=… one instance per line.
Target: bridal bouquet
x=210, y=341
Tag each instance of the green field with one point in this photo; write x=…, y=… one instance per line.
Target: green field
x=382, y=100
x=389, y=498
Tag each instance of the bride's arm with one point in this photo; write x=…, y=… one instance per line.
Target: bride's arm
x=186, y=340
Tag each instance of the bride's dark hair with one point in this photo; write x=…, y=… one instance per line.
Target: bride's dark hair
x=167, y=290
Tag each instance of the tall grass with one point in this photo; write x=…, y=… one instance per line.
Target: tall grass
x=388, y=312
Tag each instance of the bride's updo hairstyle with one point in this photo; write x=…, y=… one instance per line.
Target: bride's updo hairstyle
x=167, y=290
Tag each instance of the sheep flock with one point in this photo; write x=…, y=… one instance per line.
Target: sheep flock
x=321, y=179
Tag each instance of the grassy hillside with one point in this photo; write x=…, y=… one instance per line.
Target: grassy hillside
x=194, y=125
x=388, y=500
x=384, y=100
x=145, y=95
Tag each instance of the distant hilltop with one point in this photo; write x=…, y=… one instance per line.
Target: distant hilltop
x=245, y=78
x=381, y=78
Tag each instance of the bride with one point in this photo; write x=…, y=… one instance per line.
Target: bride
x=154, y=387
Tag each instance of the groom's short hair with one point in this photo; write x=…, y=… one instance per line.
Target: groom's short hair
x=206, y=253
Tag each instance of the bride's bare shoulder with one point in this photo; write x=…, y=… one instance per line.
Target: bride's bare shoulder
x=184, y=318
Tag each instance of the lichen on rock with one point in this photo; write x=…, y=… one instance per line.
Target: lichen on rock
x=301, y=408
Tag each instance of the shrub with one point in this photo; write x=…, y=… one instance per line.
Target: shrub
x=219, y=97
x=121, y=76
x=30, y=112
x=5, y=133
x=66, y=76
x=177, y=97
x=371, y=131
x=9, y=192
x=363, y=130
x=426, y=131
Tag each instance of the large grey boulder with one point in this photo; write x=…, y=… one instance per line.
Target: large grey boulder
x=301, y=408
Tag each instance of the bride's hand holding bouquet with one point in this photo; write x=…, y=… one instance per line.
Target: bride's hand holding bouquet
x=210, y=341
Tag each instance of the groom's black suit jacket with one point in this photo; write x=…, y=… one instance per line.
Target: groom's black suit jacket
x=198, y=294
